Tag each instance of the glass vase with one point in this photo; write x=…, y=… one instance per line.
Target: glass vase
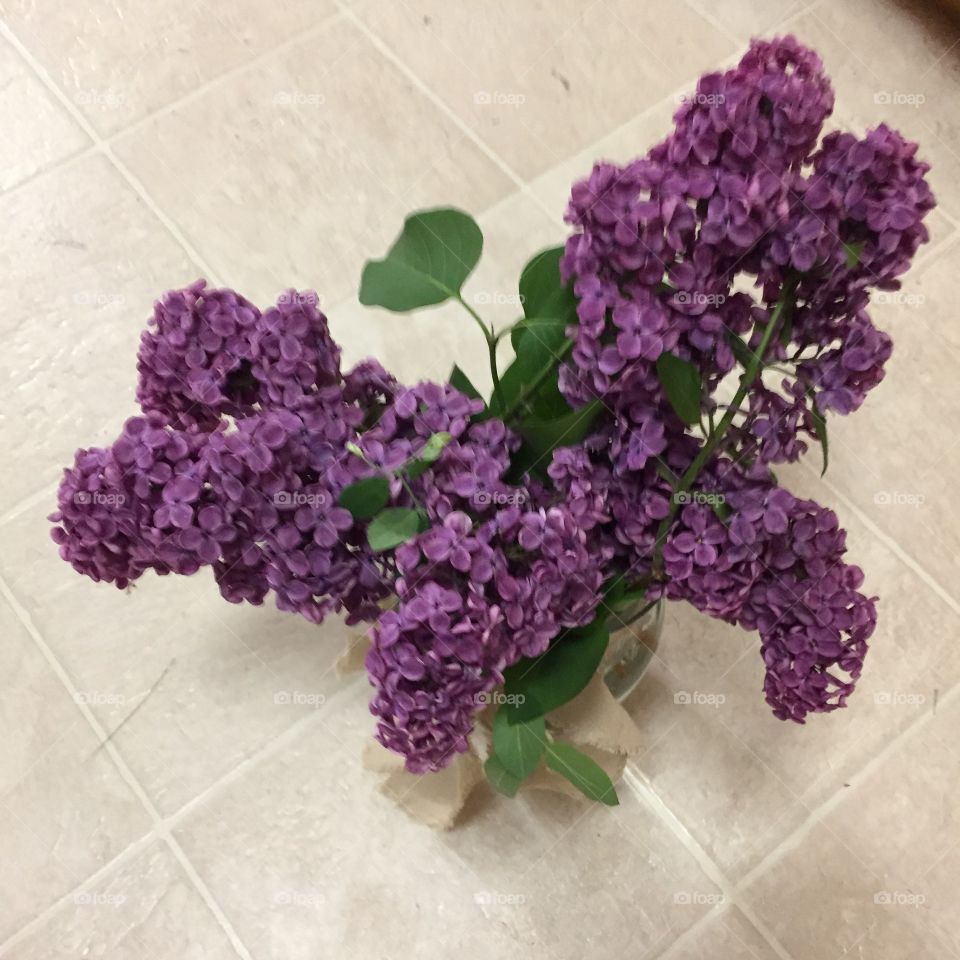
x=634, y=638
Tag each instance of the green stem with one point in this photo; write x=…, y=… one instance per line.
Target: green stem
x=491, y=339
x=746, y=381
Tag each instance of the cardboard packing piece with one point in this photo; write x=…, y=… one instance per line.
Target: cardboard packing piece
x=593, y=722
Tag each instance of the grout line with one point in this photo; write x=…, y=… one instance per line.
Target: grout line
x=247, y=65
x=832, y=802
x=440, y=104
x=62, y=164
x=888, y=542
x=105, y=148
x=164, y=827
x=645, y=792
x=40, y=920
x=47, y=493
x=160, y=828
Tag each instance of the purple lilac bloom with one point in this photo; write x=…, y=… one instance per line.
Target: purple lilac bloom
x=211, y=353
x=475, y=597
x=195, y=359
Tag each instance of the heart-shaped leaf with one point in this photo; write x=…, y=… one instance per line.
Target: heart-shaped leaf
x=366, y=497
x=394, y=526
x=681, y=380
x=428, y=455
x=427, y=264
x=558, y=675
x=585, y=774
x=542, y=293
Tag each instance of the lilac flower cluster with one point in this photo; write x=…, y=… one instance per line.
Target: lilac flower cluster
x=250, y=432
x=740, y=188
x=473, y=599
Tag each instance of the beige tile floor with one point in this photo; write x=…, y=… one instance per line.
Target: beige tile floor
x=273, y=144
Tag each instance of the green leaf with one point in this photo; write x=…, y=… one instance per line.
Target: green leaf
x=542, y=293
x=394, y=526
x=586, y=775
x=501, y=779
x=681, y=380
x=428, y=455
x=544, y=436
x=366, y=497
x=459, y=381
x=518, y=744
x=820, y=427
x=558, y=675
x=854, y=251
x=537, y=350
x=427, y=264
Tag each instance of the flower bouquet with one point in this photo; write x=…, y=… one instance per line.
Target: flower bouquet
x=708, y=311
